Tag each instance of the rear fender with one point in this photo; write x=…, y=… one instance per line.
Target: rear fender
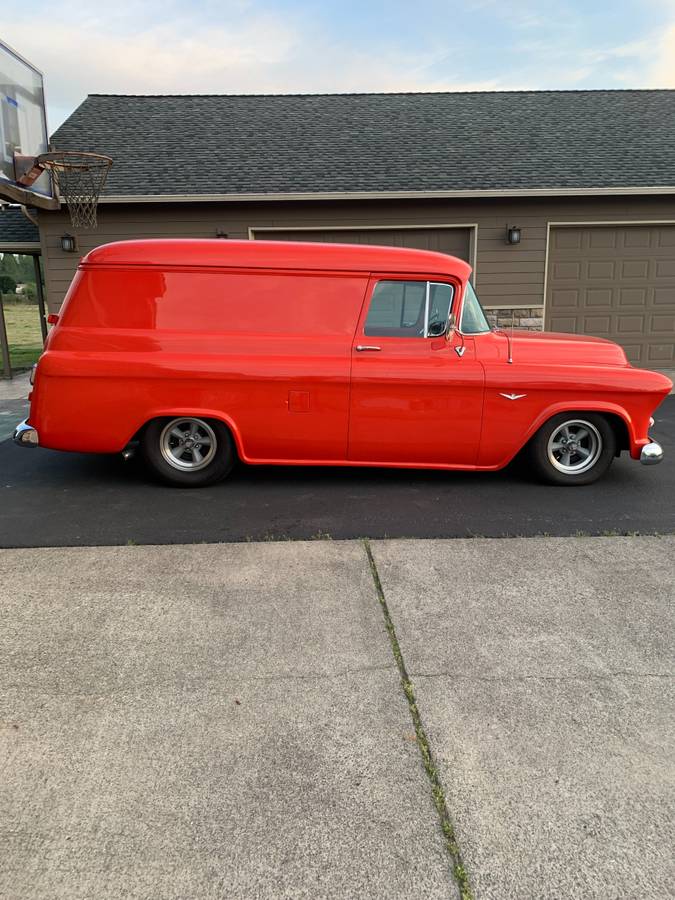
x=200, y=413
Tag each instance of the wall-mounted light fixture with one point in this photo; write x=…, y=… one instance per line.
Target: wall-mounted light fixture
x=512, y=234
x=221, y=233
x=68, y=243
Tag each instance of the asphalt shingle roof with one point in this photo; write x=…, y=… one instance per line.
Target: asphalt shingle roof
x=378, y=142
x=15, y=228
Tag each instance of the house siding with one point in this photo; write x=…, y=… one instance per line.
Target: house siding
x=507, y=277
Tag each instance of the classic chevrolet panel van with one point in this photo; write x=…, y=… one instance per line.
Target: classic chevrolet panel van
x=203, y=352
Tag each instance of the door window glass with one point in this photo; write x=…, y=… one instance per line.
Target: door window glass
x=407, y=308
x=396, y=309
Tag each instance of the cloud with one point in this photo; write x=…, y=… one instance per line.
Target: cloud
x=255, y=46
x=661, y=72
x=253, y=53
x=163, y=58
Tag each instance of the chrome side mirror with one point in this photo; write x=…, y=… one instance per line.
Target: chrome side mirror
x=437, y=329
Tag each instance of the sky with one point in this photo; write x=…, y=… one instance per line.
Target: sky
x=297, y=46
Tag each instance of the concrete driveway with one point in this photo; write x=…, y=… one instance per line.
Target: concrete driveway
x=229, y=720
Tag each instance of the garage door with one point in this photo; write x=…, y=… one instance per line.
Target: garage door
x=454, y=241
x=617, y=282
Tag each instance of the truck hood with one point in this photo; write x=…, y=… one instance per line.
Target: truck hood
x=553, y=346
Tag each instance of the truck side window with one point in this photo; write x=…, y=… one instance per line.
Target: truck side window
x=440, y=300
x=407, y=308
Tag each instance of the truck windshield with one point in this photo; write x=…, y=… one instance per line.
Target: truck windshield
x=473, y=317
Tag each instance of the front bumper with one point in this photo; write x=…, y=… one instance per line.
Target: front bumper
x=651, y=454
x=25, y=435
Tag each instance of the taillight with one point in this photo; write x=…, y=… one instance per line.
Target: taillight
x=52, y=318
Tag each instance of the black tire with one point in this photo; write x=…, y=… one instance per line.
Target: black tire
x=572, y=449
x=216, y=450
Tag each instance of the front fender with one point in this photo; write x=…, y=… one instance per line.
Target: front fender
x=509, y=424
x=541, y=391
x=602, y=406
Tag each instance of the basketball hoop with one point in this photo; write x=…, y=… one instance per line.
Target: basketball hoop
x=79, y=178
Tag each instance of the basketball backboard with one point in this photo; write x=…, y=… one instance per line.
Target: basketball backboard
x=23, y=130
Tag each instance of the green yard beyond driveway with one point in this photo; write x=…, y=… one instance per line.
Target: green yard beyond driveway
x=24, y=336
x=337, y=719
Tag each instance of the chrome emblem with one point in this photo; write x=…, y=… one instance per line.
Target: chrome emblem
x=513, y=396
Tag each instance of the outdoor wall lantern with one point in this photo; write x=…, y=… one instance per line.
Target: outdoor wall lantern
x=68, y=243
x=512, y=234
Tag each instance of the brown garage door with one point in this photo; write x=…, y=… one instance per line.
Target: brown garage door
x=616, y=282
x=455, y=241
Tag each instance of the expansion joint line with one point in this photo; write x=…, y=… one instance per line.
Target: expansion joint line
x=437, y=793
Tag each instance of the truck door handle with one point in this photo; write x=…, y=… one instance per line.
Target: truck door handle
x=362, y=347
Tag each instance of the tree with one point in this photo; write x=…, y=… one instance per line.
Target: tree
x=7, y=284
x=26, y=267
x=10, y=266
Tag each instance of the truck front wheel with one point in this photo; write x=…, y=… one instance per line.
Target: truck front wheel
x=187, y=451
x=573, y=448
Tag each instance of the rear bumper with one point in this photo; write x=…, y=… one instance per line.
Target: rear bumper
x=25, y=435
x=651, y=454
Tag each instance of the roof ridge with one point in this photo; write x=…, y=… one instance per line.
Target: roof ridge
x=402, y=93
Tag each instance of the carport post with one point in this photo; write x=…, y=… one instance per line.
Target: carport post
x=4, y=343
x=40, y=296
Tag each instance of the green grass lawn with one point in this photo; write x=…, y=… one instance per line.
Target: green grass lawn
x=23, y=333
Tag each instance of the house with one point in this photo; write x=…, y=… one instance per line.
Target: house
x=17, y=233
x=562, y=201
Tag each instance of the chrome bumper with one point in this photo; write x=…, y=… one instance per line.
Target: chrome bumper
x=25, y=435
x=651, y=454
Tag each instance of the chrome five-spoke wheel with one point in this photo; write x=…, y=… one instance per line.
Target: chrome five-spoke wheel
x=188, y=451
x=188, y=444
x=574, y=447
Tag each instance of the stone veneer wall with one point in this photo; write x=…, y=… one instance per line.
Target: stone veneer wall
x=530, y=318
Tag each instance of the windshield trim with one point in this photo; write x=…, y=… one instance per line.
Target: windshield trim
x=461, y=313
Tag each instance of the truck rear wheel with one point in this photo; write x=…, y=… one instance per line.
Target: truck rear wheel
x=187, y=451
x=572, y=448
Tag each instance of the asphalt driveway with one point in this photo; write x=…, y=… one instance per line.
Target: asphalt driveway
x=54, y=499
x=229, y=720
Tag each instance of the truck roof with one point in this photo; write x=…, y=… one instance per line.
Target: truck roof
x=276, y=255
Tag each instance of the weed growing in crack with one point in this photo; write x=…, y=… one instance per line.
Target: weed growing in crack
x=437, y=793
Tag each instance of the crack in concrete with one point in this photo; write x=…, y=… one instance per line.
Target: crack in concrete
x=362, y=670
x=438, y=794
x=104, y=692
x=459, y=676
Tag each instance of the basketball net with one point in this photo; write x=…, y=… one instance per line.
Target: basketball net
x=79, y=178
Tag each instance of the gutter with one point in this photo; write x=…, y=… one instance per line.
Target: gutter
x=389, y=195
